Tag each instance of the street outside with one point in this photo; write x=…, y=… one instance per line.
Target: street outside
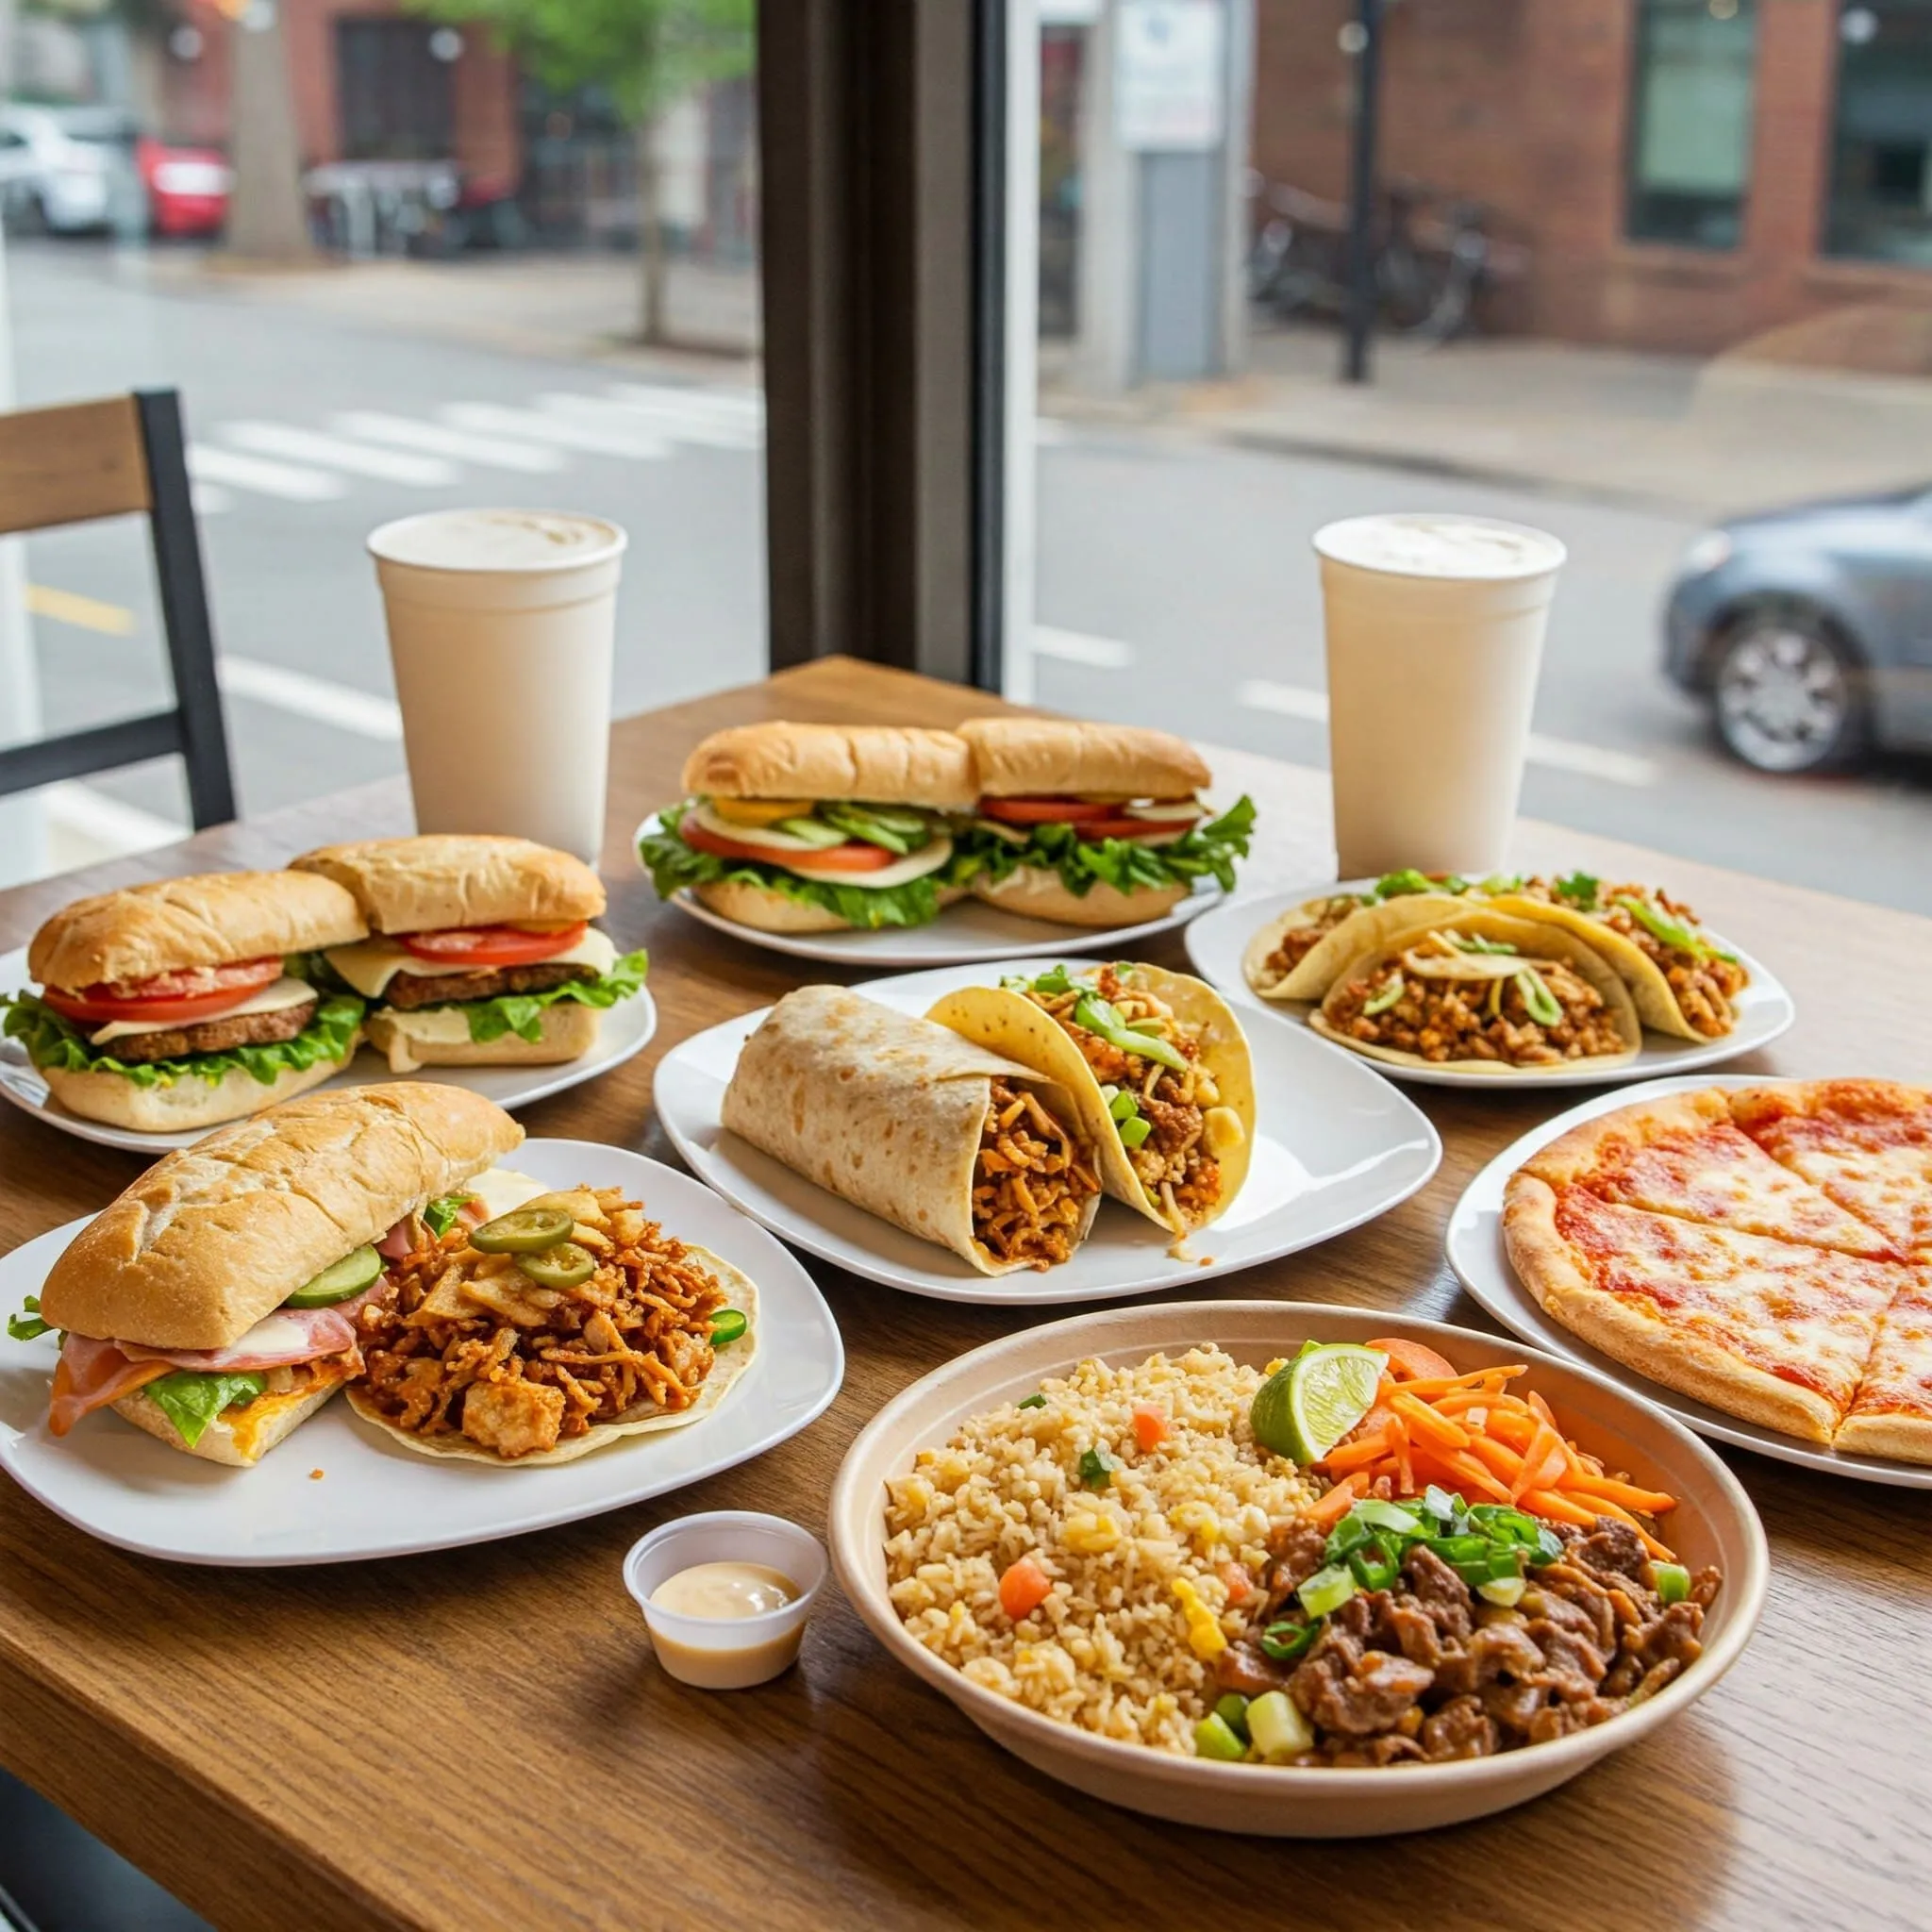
x=1175, y=586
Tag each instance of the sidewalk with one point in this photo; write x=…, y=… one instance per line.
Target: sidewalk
x=1706, y=437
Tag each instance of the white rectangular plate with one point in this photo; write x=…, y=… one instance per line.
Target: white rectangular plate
x=626, y=1030
x=1334, y=1147
x=1482, y=1265
x=962, y=935
x=1216, y=942
x=339, y=1490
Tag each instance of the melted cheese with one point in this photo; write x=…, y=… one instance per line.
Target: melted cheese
x=503, y=1189
x=901, y=872
x=283, y=993
x=369, y=965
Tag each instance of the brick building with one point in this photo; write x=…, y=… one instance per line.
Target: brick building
x=1689, y=173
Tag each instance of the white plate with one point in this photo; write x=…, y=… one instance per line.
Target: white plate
x=1481, y=1264
x=626, y=1030
x=375, y=1498
x=1216, y=944
x=967, y=934
x=1334, y=1147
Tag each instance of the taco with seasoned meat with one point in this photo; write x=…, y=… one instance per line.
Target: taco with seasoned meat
x=1297, y=956
x=1483, y=992
x=1156, y=1064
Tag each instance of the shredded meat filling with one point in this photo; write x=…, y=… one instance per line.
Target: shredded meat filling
x=1478, y=1019
x=1031, y=1183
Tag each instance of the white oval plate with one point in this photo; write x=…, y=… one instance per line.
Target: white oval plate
x=1216, y=942
x=1335, y=1147
x=374, y=1498
x=1482, y=1265
x=967, y=934
x=626, y=1030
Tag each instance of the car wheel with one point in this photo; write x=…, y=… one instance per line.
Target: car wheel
x=1789, y=696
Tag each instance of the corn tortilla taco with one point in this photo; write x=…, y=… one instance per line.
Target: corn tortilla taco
x=1157, y=1066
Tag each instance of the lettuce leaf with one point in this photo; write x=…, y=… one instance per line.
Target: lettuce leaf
x=53, y=1041
x=192, y=1400
x=522, y=1013
x=673, y=864
x=27, y=1324
x=1208, y=849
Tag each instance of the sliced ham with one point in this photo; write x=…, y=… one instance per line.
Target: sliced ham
x=91, y=1375
x=288, y=1336
x=396, y=1242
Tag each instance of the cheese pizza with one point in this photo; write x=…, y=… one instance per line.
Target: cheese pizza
x=1767, y=1250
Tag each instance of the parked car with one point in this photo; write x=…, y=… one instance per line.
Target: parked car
x=187, y=188
x=65, y=171
x=1810, y=629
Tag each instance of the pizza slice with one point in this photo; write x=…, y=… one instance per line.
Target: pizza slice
x=1769, y=1330
x=1680, y=1154
x=1892, y=1414
x=1867, y=1143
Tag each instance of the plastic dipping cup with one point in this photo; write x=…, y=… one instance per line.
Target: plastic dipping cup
x=727, y=1653
x=1435, y=634
x=501, y=624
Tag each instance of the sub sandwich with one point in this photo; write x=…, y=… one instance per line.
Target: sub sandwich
x=180, y=1004
x=818, y=827
x=1093, y=825
x=221, y=1301
x=480, y=950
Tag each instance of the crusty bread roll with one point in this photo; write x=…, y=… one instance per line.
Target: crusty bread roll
x=1025, y=758
x=211, y=919
x=186, y=1104
x=880, y=764
x=1035, y=893
x=214, y=1236
x=444, y=879
x=745, y=904
x=569, y=1030
x=241, y=1436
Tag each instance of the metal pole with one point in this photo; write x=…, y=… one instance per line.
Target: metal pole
x=1366, y=44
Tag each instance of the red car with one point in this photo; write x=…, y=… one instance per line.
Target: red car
x=187, y=188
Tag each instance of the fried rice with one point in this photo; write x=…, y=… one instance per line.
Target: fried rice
x=1143, y=1555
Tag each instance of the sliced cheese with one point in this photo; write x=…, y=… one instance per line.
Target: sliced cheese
x=369, y=965
x=900, y=873
x=503, y=1189
x=279, y=998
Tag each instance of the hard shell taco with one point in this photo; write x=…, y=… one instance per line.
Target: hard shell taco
x=1483, y=992
x=1157, y=1067
x=1297, y=956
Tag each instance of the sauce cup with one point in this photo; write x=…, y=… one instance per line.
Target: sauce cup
x=727, y=1653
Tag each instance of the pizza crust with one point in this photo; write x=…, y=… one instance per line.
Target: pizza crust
x=1904, y=1438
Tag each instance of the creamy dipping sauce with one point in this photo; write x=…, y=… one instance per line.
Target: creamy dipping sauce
x=725, y=1594
x=724, y=1589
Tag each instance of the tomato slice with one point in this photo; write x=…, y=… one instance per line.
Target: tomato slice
x=463, y=947
x=1090, y=820
x=196, y=993
x=853, y=855
x=1414, y=1361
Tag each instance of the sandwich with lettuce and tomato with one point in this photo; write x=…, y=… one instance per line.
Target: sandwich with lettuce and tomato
x=480, y=951
x=187, y=1002
x=802, y=828
x=1094, y=825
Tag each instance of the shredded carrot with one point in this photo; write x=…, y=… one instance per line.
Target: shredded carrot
x=1337, y=1503
x=1560, y=1508
x=1645, y=1502
x=1497, y=1457
x=1357, y=1453
x=1424, y=1421
x=1544, y=1463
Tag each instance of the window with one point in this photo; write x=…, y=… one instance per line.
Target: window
x=1881, y=175
x=1691, y=122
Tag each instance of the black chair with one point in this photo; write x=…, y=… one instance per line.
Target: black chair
x=122, y=454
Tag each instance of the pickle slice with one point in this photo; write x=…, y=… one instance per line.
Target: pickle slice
x=339, y=1280
x=527, y=1231
x=562, y=1266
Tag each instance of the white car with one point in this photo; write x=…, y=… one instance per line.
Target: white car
x=66, y=171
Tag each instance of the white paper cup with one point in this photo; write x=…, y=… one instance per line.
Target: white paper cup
x=1434, y=627
x=502, y=626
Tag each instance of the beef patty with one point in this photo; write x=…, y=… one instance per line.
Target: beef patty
x=213, y=1036
x=408, y=990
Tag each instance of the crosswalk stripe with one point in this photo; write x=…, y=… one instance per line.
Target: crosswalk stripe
x=338, y=452
x=717, y=432
x=209, y=499
x=406, y=432
x=105, y=823
x=208, y=464
x=365, y=714
x=720, y=405
x=1081, y=647
x=597, y=438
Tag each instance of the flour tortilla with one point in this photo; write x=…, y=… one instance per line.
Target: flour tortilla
x=1363, y=930
x=1534, y=941
x=882, y=1109
x=1010, y=1022
x=641, y=1419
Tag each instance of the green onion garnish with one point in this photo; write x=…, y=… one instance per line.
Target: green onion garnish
x=1032, y=1402
x=1672, y=1582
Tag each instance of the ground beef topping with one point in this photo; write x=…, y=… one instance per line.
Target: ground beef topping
x=1031, y=1183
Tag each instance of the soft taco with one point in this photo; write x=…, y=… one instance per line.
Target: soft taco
x=1157, y=1066
x=1297, y=956
x=1682, y=980
x=556, y=1329
x=1483, y=991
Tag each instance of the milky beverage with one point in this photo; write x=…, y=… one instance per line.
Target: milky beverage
x=501, y=627
x=1435, y=632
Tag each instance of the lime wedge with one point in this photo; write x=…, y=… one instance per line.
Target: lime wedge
x=1303, y=1410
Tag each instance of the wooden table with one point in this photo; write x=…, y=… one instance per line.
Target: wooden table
x=479, y=1739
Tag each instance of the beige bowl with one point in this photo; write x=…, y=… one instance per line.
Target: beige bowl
x=1714, y=1524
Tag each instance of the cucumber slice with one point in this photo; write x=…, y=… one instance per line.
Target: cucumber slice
x=338, y=1281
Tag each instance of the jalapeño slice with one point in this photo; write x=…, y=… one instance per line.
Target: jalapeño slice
x=527, y=1232
x=561, y=1266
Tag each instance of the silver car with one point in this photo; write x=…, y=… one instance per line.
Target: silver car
x=1810, y=630
x=67, y=171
